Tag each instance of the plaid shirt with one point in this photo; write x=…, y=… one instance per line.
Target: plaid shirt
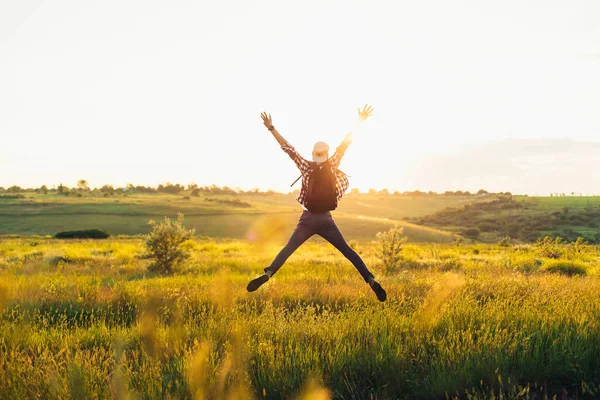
x=341, y=181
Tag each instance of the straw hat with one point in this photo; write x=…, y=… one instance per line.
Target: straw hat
x=320, y=152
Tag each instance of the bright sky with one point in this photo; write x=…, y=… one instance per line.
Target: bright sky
x=147, y=92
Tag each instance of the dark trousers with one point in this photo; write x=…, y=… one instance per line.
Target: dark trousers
x=323, y=225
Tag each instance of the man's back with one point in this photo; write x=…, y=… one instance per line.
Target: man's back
x=321, y=193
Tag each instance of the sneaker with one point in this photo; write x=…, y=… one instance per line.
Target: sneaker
x=257, y=282
x=379, y=291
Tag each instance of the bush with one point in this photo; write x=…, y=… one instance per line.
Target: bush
x=548, y=247
x=85, y=234
x=390, y=247
x=566, y=267
x=170, y=188
x=227, y=202
x=471, y=233
x=164, y=244
x=14, y=189
x=526, y=265
x=505, y=242
x=487, y=227
x=578, y=246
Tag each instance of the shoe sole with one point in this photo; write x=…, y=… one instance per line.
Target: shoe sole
x=256, y=283
x=379, y=291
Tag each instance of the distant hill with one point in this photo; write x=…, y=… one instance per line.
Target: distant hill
x=522, y=218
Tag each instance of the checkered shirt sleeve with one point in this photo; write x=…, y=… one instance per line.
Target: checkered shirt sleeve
x=341, y=180
x=336, y=158
x=341, y=183
x=302, y=164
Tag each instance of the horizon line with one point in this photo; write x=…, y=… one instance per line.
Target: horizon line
x=169, y=187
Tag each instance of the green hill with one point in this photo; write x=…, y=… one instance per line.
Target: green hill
x=521, y=217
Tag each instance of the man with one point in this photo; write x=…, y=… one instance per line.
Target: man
x=323, y=185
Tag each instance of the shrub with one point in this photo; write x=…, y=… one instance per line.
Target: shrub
x=548, y=247
x=390, y=247
x=56, y=260
x=487, y=227
x=471, y=233
x=164, y=244
x=170, y=188
x=234, y=202
x=85, y=234
x=526, y=265
x=14, y=189
x=504, y=242
x=578, y=246
x=33, y=256
x=566, y=267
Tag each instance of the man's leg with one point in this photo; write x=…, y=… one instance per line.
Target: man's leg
x=330, y=232
x=300, y=235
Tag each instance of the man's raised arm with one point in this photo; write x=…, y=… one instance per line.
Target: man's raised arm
x=268, y=121
x=363, y=115
x=301, y=163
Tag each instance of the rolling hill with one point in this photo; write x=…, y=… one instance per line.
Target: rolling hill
x=359, y=216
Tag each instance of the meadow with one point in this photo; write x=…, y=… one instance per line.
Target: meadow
x=218, y=213
x=360, y=217
x=84, y=319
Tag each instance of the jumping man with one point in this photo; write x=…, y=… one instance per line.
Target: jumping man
x=323, y=185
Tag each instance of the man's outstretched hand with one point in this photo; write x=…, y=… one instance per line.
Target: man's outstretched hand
x=365, y=113
x=267, y=120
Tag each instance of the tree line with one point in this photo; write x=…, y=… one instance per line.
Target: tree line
x=82, y=188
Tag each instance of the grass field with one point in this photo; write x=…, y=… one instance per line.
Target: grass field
x=522, y=218
x=359, y=217
x=83, y=319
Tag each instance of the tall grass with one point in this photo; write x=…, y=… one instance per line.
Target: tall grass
x=85, y=320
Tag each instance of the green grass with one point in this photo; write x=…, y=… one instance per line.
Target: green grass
x=359, y=216
x=83, y=319
x=563, y=201
x=522, y=218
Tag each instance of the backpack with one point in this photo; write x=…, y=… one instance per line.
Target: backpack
x=321, y=193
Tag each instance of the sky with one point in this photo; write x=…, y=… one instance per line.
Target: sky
x=149, y=92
